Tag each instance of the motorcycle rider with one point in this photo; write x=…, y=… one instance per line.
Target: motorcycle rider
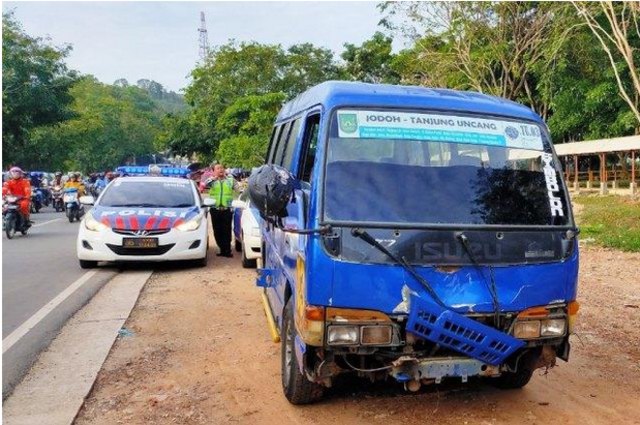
x=18, y=185
x=57, y=180
x=74, y=182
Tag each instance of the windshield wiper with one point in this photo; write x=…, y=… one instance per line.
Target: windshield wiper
x=491, y=286
x=181, y=206
x=362, y=234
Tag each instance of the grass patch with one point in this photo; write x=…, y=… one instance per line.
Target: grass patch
x=612, y=221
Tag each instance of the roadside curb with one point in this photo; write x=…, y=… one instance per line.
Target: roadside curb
x=55, y=388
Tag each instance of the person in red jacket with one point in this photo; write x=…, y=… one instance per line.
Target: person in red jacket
x=17, y=185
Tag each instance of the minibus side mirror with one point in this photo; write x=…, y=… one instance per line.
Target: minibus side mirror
x=270, y=190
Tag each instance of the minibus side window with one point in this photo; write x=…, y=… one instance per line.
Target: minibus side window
x=279, y=150
x=272, y=144
x=291, y=144
x=309, y=145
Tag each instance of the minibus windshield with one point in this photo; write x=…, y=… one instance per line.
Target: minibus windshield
x=400, y=167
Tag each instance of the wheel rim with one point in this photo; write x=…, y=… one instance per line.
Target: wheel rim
x=288, y=354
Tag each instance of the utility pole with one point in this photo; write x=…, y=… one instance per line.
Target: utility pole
x=204, y=40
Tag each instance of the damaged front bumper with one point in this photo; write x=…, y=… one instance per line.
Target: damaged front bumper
x=408, y=369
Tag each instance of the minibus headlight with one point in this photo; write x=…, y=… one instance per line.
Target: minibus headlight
x=342, y=335
x=527, y=329
x=552, y=327
x=376, y=335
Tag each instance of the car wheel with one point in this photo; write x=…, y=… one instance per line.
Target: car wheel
x=297, y=388
x=246, y=263
x=86, y=264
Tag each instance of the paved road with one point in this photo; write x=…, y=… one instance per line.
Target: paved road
x=35, y=270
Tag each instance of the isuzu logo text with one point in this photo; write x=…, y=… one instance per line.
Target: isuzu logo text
x=432, y=251
x=551, y=178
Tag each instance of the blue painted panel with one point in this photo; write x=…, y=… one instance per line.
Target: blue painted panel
x=379, y=287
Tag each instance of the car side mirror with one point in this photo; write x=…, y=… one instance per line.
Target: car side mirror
x=270, y=190
x=236, y=203
x=87, y=200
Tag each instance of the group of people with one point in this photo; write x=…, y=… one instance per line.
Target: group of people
x=220, y=186
x=20, y=184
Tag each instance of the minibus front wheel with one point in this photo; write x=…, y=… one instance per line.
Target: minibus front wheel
x=297, y=388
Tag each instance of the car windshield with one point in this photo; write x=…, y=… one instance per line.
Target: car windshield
x=390, y=167
x=164, y=194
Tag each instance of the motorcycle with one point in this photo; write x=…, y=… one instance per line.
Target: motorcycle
x=46, y=195
x=37, y=198
x=74, y=209
x=12, y=219
x=56, y=195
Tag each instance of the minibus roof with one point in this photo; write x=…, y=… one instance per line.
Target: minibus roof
x=331, y=94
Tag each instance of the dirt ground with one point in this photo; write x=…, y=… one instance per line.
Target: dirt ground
x=200, y=353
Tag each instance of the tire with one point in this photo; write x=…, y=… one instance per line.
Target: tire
x=10, y=226
x=246, y=263
x=514, y=380
x=238, y=246
x=85, y=264
x=37, y=208
x=297, y=388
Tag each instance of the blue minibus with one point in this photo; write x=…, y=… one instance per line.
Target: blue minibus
x=413, y=235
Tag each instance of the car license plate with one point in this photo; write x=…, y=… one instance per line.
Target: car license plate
x=140, y=242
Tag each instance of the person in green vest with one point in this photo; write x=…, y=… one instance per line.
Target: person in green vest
x=222, y=190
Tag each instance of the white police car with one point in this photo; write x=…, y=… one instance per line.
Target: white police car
x=145, y=219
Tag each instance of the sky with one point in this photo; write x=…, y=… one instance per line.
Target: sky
x=159, y=40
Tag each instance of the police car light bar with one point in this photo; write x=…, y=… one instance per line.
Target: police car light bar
x=133, y=170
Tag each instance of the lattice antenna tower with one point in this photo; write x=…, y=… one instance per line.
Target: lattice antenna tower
x=204, y=40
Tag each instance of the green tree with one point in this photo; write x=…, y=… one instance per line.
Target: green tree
x=111, y=124
x=35, y=89
x=236, y=70
x=245, y=127
x=372, y=61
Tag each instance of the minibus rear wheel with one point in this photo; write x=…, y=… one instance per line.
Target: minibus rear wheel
x=297, y=388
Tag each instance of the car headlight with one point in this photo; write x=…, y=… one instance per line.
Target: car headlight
x=94, y=225
x=342, y=335
x=255, y=231
x=530, y=329
x=527, y=329
x=553, y=327
x=376, y=335
x=191, y=225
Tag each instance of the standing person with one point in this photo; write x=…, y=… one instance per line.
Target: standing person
x=17, y=185
x=222, y=191
x=206, y=175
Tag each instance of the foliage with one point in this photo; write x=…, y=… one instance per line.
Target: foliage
x=245, y=127
x=371, y=62
x=111, y=125
x=35, y=89
x=538, y=53
x=238, y=70
x=612, y=221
